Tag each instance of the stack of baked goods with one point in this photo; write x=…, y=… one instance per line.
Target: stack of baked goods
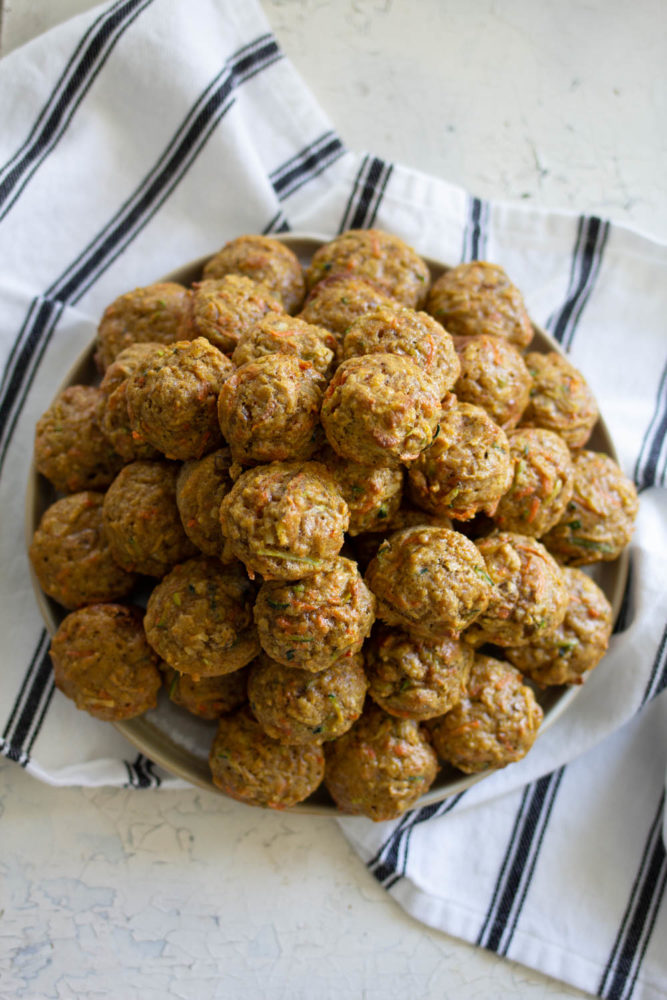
x=360, y=503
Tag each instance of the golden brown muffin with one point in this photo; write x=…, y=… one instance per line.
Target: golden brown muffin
x=101, y=660
x=380, y=766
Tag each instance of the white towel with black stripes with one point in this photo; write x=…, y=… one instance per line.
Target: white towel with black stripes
x=148, y=132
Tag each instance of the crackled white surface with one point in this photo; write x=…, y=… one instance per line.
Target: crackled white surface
x=122, y=894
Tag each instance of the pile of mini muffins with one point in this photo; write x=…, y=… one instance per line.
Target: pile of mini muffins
x=360, y=505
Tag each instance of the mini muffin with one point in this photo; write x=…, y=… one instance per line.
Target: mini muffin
x=385, y=260
x=380, y=409
x=285, y=520
x=172, y=399
x=158, y=313
x=431, y=581
x=380, y=767
x=599, y=519
x=71, y=557
x=413, y=334
x=141, y=519
x=466, y=469
x=367, y=544
x=269, y=410
x=478, y=298
x=372, y=493
x=336, y=302
x=541, y=484
x=70, y=448
x=310, y=623
x=301, y=707
x=224, y=308
x=413, y=677
x=579, y=642
x=529, y=596
x=280, y=334
x=101, y=660
x=265, y=260
x=495, y=723
x=115, y=421
x=250, y=766
x=199, y=618
x=560, y=400
x=208, y=697
x=494, y=376
x=200, y=488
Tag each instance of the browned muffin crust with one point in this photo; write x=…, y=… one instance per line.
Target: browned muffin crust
x=252, y=767
x=223, y=309
x=312, y=622
x=335, y=302
x=430, y=581
x=542, y=478
x=269, y=410
x=199, y=618
x=478, y=298
x=599, y=518
x=71, y=556
x=495, y=723
x=115, y=420
x=265, y=260
x=577, y=645
x=301, y=707
x=200, y=488
x=385, y=260
x=172, y=399
x=101, y=660
x=380, y=409
x=141, y=519
x=466, y=469
x=560, y=399
x=70, y=448
x=380, y=767
x=158, y=313
x=529, y=597
x=285, y=520
x=415, y=335
x=208, y=697
x=416, y=678
x=280, y=334
x=372, y=493
x=494, y=376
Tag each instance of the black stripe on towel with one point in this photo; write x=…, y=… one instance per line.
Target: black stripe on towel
x=475, y=234
x=141, y=773
x=634, y=934
x=393, y=853
x=592, y=235
x=278, y=224
x=367, y=193
x=657, y=681
x=519, y=863
x=306, y=165
x=30, y=705
x=81, y=71
x=170, y=168
x=648, y=471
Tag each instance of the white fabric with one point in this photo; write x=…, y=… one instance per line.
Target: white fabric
x=147, y=133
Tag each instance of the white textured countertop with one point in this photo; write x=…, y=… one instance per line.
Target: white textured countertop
x=125, y=894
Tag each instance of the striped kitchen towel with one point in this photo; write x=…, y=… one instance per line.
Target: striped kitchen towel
x=148, y=132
